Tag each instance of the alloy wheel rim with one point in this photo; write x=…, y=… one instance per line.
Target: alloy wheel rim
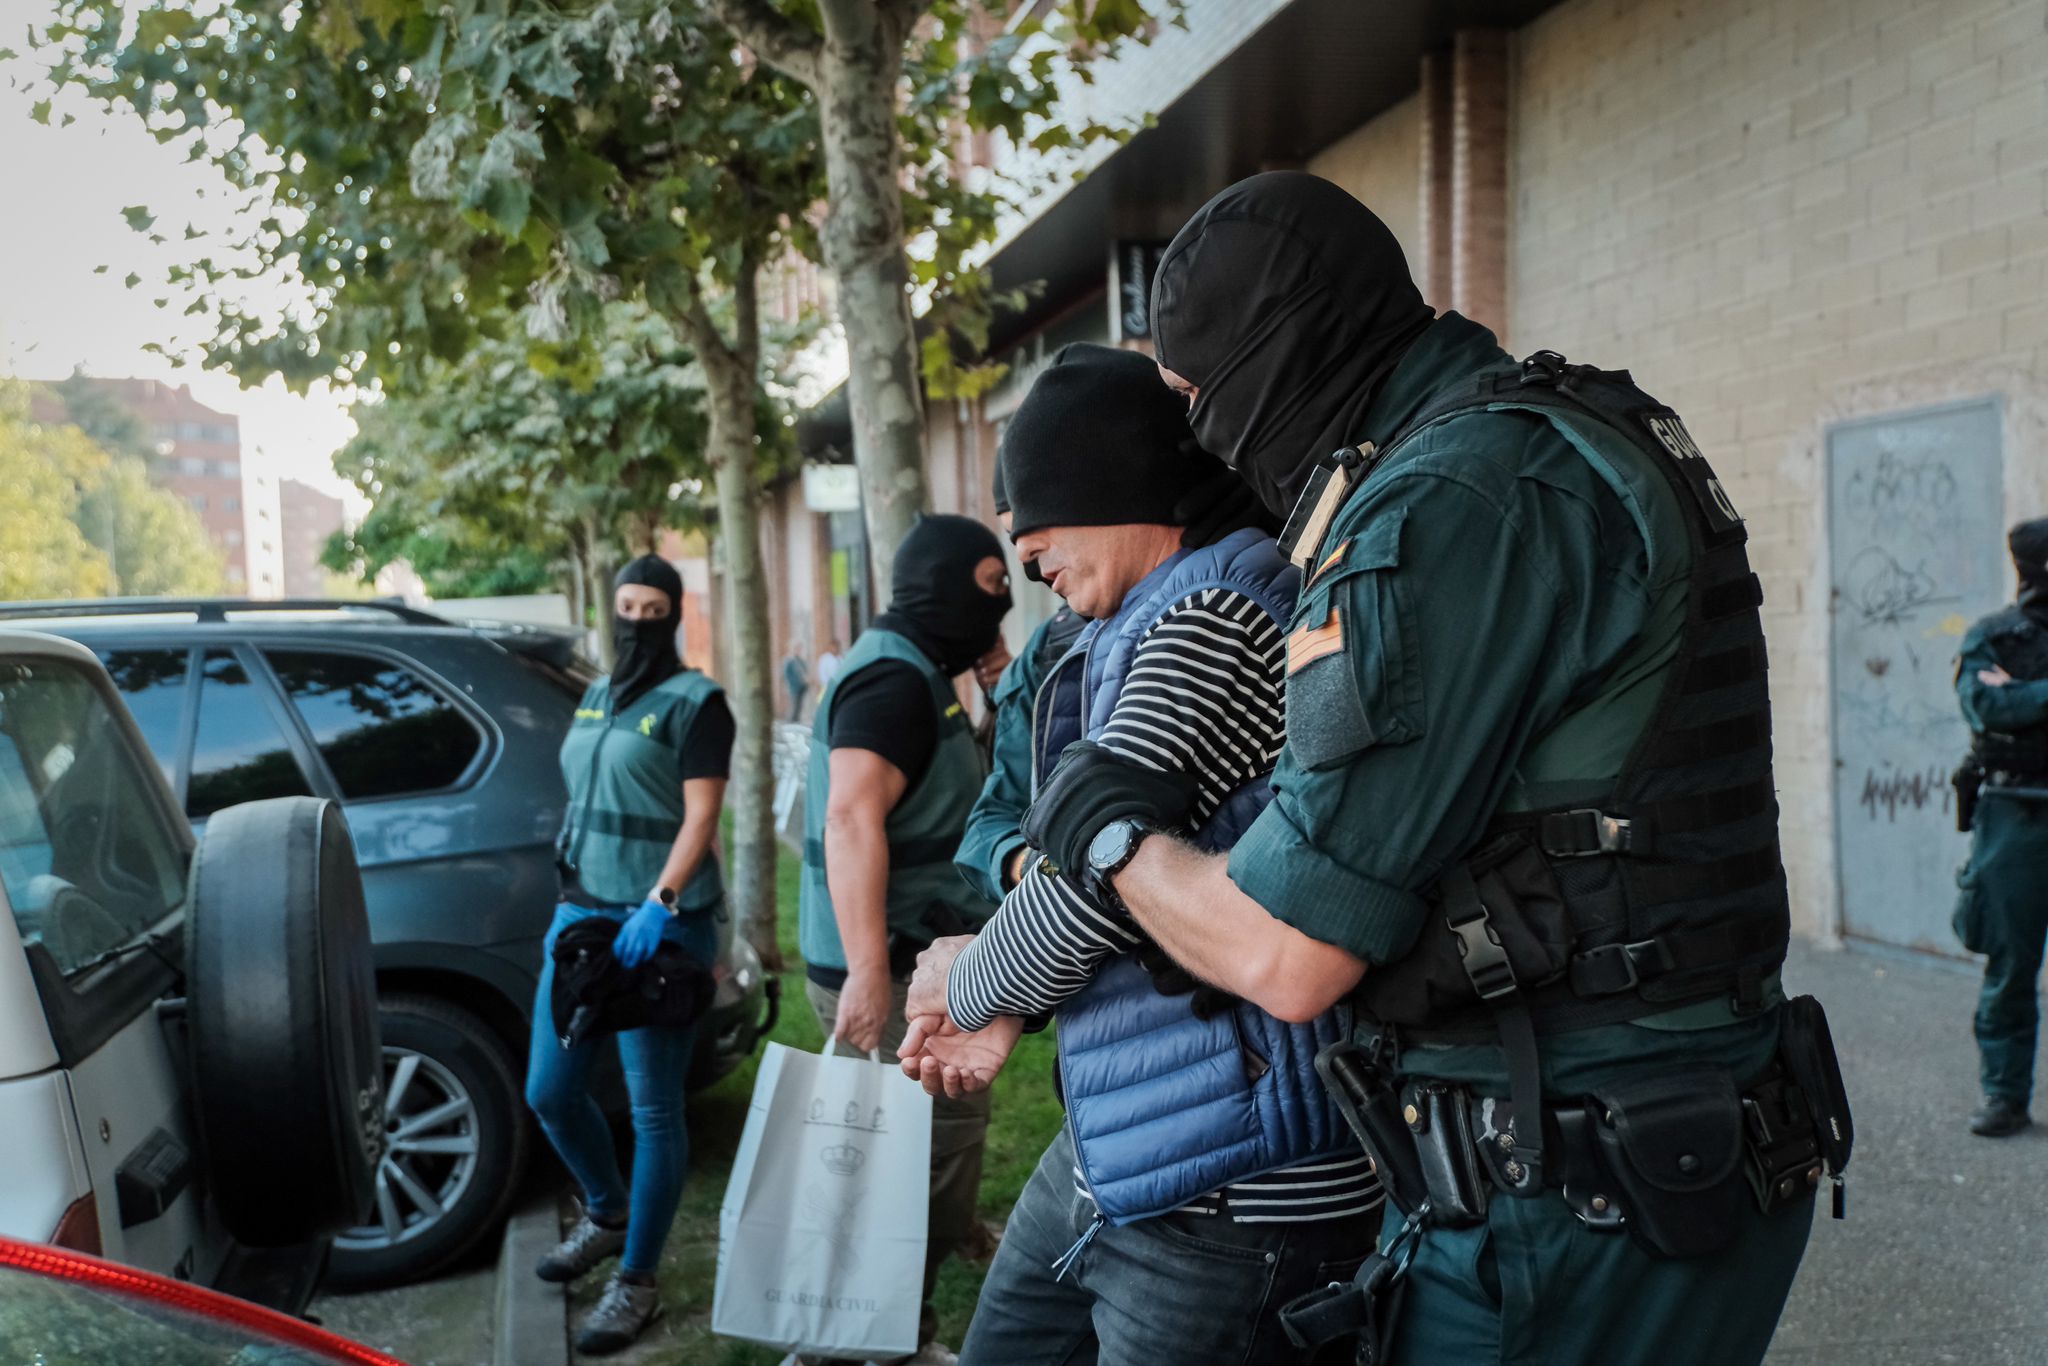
x=432, y=1140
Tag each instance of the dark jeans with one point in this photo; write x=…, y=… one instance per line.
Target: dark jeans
x=1191, y=1289
x=656, y=1062
x=2002, y=912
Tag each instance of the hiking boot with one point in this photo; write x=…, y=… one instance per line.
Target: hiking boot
x=621, y=1316
x=587, y=1244
x=1998, y=1117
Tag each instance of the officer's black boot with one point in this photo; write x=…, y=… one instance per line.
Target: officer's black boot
x=1998, y=1117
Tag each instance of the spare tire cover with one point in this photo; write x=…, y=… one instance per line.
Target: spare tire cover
x=282, y=1010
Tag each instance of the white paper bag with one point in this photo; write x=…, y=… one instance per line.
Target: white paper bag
x=822, y=1235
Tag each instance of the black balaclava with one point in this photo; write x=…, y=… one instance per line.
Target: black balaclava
x=2029, y=545
x=644, y=652
x=1100, y=441
x=933, y=597
x=1286, y=302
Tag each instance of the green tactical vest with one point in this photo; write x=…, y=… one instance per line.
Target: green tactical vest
x=624, y=773
x=927, y=897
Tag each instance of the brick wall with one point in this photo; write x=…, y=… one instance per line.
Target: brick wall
x=1780, y=214
x=1380, y=165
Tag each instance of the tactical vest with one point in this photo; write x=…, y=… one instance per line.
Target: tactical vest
x=1166, y=1106
x=1672, y=890
x=622, y=766
x=927, y=897
x=2021, y=646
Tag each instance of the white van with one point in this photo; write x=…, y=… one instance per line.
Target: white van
x=190, y=1076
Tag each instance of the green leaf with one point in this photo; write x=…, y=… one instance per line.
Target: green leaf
x=509, y=202
x=40, y=112
x=139, y=218
x=132, y=280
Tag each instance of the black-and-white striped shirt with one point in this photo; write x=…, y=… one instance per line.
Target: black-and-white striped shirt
x=1205, y=695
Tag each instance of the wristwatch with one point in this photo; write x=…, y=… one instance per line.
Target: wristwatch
x=1113, y=847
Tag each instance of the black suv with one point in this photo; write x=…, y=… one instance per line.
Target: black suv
x=440, y=741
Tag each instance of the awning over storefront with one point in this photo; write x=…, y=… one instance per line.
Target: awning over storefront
x=1316, y=71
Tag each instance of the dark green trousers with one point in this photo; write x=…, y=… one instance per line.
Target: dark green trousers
x=2002, y=913
x=1534, y=1287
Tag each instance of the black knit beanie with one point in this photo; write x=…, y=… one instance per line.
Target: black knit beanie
x=1100, y=441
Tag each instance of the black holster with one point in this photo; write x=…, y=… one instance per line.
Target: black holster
x=1968, y=781
x=1363, y=1087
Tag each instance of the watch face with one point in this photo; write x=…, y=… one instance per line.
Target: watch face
x=1111, y=846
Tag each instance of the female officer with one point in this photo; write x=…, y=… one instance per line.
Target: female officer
x=645, y=763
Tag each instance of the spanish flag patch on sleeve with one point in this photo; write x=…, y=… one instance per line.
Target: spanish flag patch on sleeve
x=1309, y=643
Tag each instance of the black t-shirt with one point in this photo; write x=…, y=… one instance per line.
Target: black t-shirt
x=887, y=708
x=707, y=748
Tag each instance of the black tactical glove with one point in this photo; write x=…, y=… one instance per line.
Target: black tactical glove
x=1092, y=786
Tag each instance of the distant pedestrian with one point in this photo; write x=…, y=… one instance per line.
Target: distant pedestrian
x=828, y=664
x=2002, y=683
x=796, y=680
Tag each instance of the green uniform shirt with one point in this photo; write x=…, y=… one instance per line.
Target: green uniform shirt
x=1487, y=628
x=625, y=777
x=994, y=826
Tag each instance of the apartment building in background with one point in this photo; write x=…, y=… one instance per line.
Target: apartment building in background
x=196, y=453
x=1818, y=228
x=307, y=518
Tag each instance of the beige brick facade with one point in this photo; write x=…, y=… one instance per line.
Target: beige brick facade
x=1783, y=214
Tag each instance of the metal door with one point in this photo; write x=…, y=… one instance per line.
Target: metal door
x=1917, y=553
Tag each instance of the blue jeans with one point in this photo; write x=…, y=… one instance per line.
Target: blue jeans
x=656, y=1062
x=1192, y=1289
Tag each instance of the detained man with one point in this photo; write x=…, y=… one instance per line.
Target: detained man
x=894, y=770
x=1202, y=1178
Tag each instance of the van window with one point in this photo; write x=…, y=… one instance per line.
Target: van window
x=87, y=860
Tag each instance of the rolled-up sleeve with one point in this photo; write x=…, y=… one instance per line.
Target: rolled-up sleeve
x=1430, y=648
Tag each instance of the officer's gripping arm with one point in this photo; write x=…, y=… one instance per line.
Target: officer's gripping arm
x=2016, y=705
x=1429, y=648
x=1229, y=939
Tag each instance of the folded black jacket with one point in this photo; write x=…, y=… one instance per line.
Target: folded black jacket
x=596, y=994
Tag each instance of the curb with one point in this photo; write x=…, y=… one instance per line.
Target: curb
x=531, y=1321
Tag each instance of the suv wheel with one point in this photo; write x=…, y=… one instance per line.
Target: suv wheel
x=456, y=1145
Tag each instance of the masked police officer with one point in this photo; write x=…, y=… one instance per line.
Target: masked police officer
x=894, y=769
x=1524, y=816
x=2002, y=913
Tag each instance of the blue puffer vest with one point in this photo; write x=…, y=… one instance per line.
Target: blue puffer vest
x=1165, y=1107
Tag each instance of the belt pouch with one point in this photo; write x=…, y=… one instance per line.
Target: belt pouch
x=1807, y=1048
x=1441, y=1122
x=1674, y=1145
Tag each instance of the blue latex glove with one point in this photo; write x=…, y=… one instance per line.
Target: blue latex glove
x=635, y=942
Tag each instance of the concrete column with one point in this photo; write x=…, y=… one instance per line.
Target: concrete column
x=1479, y=176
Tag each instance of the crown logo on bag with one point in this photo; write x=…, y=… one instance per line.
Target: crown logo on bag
x=843, y=1159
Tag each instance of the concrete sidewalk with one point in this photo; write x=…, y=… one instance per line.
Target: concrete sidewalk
x=1944, y=1255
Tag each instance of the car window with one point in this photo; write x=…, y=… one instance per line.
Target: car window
x=87, y=860
x=47, y=1318
x=152, y=683
x=239, y=752
x=381, y=727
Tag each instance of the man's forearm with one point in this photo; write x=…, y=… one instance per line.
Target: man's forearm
x=1186, y=901
x=1041, y=947
x=857, y=875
